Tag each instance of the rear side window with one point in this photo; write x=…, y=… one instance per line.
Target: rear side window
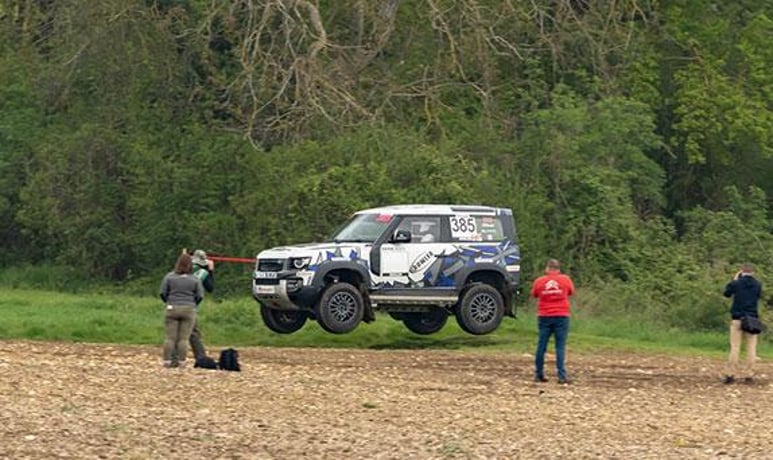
x=472, y=228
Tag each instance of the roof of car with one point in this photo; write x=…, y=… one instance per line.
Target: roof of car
x=434, y=209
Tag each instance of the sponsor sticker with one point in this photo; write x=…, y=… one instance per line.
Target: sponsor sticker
x=422, y=262
x=263, y=289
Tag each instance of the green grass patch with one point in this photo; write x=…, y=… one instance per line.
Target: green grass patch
x=235, y=321
x=49, y=315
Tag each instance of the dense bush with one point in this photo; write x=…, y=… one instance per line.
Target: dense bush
x=641, y=157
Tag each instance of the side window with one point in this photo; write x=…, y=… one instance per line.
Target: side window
x=423, y=229
x=467, y=228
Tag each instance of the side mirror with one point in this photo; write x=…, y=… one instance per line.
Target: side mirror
x=401, y=236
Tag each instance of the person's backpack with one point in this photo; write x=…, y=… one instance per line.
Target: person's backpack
x=205, y=362
x=229, y=360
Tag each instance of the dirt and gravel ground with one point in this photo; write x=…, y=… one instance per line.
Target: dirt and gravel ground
x=101, y=401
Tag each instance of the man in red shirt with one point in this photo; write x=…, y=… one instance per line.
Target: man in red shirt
x=552, y=291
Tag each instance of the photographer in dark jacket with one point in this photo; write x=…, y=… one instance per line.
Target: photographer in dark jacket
x=204, y=270
x=746, y=291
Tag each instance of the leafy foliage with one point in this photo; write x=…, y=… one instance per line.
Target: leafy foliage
x=633, y=139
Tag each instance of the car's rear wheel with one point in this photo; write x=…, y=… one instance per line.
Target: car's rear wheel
x=480, y=310
x=283, y=321
x=340, y=308
x=425, y=322
x=397, y=315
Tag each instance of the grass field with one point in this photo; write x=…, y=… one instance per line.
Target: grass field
x=113, y=318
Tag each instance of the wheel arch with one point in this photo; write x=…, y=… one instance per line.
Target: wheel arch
x=349, y=272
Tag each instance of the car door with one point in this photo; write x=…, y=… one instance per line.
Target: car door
x=407, y=262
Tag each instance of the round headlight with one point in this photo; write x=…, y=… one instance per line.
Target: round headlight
x=301, y=262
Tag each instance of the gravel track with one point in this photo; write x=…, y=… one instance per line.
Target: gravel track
x=62, y=400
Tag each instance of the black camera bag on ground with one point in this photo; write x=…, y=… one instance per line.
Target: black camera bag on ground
x=752, y=325
x=229, y=360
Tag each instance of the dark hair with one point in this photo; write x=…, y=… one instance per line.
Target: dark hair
x=553, y=264
x=184, y=265
x=747, y=268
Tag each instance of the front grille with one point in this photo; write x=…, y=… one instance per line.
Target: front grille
x=266, y=281
x=270, y=265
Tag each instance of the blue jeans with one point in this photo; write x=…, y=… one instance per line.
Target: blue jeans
x=559, y=326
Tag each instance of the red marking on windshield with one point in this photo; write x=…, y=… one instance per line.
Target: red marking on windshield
x=384, y=218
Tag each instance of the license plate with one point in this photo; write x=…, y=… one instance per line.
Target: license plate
x=262, y=289
x=265, y=275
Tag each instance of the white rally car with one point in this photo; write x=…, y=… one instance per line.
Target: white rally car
x=418, y=263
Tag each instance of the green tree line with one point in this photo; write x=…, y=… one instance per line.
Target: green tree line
x=633, y=139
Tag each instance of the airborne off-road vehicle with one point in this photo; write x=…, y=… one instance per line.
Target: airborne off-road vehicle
x=418, y=263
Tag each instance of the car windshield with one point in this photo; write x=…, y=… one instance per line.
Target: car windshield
x=363, y=228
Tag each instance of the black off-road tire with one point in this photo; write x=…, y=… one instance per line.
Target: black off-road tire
x=397, y=315
x=283, y=321
x=340, y=309
x=480, y=309
x=425, y=323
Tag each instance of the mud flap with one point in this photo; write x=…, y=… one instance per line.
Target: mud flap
x=368, y=315
x=509, y=298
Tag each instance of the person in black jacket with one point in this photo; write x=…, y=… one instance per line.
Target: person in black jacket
x=746, y=291
x=204, y=270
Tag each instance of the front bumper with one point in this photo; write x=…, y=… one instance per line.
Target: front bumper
x=285, y=293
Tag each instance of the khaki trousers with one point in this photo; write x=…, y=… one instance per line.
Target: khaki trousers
x=737, y=335
x=178, y=324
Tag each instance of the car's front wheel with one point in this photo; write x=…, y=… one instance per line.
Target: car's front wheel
x=425, y=322
x=480, y=310
x=340, y=308
x=283, y=321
